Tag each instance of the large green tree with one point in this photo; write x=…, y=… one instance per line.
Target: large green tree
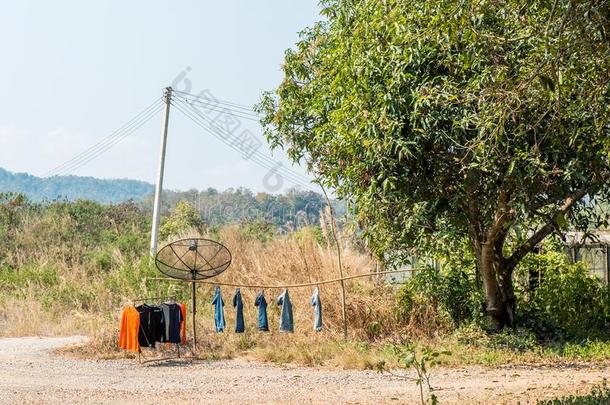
x=474, y=116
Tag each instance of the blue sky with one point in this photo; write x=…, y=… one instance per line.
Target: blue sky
x=74, y=71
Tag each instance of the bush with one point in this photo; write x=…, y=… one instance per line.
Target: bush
x=451, y=290
x=261, y=230
x=182, y=218
x=568, y=303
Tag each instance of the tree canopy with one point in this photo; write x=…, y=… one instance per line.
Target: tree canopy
x=475, y=117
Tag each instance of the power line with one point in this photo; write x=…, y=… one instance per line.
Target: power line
x=257, y=157
x=238, y=105
x=215, y=102
x=185, y=104
x=101, y=149
x=110, y=138
x=110, y=141
x=287, y=172
x=221, y=109
x=183, y=97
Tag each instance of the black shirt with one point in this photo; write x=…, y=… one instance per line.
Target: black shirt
x=152, y=325
x=173, y=316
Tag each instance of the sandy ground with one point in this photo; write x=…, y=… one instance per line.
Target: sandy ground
x=30, y=372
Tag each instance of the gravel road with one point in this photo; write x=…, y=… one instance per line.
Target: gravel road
x=30, y=372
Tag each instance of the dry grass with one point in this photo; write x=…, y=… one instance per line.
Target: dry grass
x=293, y=259
x=300, y=259
x=62, y=296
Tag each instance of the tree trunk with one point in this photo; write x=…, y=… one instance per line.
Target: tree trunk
x=496, y=274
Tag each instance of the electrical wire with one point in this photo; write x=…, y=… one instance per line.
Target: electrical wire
x=263, y=160
x=103, y=148
x=291, y=175
x=211, y=123
x=266, y=163
x=110, y=141
x=182, y=96
x=221, y=109
x=130, y=132
x=217, y=103
x=185, y=103
x=207, y=106
x=238, y=105
x=254, y=158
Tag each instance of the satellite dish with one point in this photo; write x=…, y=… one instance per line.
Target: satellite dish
x=193, y=259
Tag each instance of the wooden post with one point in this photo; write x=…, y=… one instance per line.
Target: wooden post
x=339, y=263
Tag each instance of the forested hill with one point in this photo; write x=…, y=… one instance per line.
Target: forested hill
x=74, y=187
x=294, y=208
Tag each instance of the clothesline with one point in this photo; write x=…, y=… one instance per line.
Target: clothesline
x=335, y=280
x=153, y=298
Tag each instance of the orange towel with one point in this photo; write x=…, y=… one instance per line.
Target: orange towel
x=130, y=325
x=183, y=323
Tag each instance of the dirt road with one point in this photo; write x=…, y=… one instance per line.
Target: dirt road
x=31, y=373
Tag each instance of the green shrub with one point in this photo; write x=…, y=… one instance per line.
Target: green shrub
x=451, y=290
x=182, y=218
x=519, y=339
x=99, y=260
x=132, y=245
x=261, y=230
x=568, y=303
x=583, y=350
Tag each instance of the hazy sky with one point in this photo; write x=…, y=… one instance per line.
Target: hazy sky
x=75, y=71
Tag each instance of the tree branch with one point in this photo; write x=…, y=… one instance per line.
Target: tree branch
x=502, y=217
x=547, y=229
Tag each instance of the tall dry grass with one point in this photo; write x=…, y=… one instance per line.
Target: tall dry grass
x=69, y=268
x=293, y=259
x=64, y=274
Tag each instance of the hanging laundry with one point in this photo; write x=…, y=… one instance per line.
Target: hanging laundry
x=172, y=314
x=239, y=307
x=286, y=321
x=219, y=315
x=317, y=309
x=130, y=325
x=261, y=303
x=152, y=325
x=183, y=323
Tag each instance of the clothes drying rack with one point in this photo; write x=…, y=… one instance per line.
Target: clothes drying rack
x=140, y=361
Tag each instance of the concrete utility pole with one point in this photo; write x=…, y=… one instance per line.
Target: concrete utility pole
x=167, y=96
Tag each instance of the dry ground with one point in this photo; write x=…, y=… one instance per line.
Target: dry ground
x=31, y=372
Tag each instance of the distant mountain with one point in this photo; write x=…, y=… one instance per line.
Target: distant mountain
x=74, y=187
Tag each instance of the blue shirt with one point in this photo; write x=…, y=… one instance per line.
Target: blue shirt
x=317, y=308
x=286, y=321
x=261, y=303
x=219, y=315
x=239, y=306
